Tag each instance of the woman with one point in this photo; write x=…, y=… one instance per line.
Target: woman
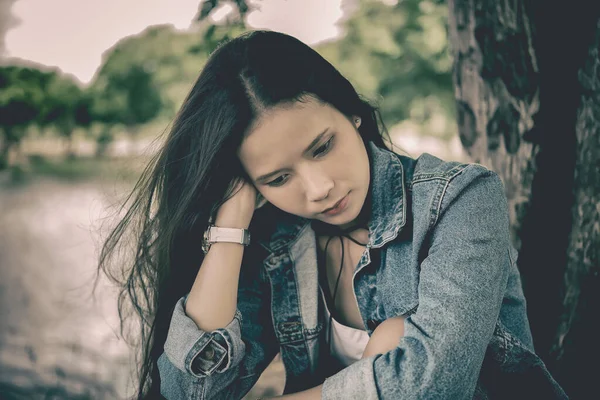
x=375, y=275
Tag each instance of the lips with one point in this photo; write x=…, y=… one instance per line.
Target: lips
x=334, y=206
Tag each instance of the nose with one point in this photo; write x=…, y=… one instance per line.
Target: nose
x=318, y=185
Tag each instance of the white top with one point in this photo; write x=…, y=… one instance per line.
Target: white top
x=348, y=343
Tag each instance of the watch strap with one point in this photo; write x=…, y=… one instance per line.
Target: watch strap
x=215, y=234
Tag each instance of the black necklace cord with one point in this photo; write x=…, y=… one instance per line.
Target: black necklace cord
x=334, y=231
x=346, y=235
x=354, y=240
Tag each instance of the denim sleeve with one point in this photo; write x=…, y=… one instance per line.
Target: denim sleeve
x=462, y=281
x=224, y=363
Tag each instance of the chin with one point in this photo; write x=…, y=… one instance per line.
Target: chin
x=346, y=220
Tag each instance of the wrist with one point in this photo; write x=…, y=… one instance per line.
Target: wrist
x=216, y=234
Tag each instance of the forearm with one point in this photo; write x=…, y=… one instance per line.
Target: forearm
x=217, y=282
x=385, y=337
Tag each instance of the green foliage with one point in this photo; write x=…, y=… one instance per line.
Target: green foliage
x=31, y=97
x=395, y=54
x=21, y=104
x=66, y=105
x=172, y=61
x=22, y=96
x=129, y=97
x=207, y=7
x=398, y=55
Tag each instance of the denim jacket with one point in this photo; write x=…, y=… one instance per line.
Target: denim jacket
x=445, y=263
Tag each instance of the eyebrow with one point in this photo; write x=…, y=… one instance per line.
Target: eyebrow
x=308, y=149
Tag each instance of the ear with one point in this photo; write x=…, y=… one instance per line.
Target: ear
x=356, y=120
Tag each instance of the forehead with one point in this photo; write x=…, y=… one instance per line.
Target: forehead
x=284, y=132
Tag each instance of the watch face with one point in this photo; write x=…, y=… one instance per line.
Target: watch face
x=246, y=235
x=205, y=243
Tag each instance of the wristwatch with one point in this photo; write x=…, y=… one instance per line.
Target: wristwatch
x=214, y=234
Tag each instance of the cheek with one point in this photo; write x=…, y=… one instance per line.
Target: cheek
x=364, y=166
x=285, y=198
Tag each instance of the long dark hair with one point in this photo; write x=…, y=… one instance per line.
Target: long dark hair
x=195, y=171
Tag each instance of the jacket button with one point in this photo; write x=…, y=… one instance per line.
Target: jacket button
x=208, y=354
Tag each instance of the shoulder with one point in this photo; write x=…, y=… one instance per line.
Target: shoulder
x=428, y=167
x=434, y=184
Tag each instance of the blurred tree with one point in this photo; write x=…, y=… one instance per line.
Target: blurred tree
x=30, y=96
x=171, y=58
x=399, y=52
x=143, y=101
x=129, y=97
x=231, y=26
x=66, y=106
x=528, y=94
x=164, y=62
x=22, y=96
x=393, y=52
x=104, y=139
x=215, y=34
x=206, y=7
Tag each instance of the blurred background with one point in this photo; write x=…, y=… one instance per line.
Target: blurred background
x=88, y=90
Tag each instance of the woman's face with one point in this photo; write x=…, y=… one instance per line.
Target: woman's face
x=306, y=157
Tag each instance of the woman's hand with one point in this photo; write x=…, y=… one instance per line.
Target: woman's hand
x=385, y=337
x=237, y=212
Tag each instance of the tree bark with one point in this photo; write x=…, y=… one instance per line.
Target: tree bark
x=523, y=113
x=575, y=346
x=496, y=87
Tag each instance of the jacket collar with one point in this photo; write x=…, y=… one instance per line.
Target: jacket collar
x=386, y=199
x=388, y=196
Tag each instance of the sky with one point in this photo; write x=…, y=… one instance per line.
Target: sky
x=73, y=34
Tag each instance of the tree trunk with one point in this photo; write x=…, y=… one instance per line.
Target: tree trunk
x=521, y=113
x=70, y=146
x=104, y=139
x=4, y=150
x=496, y=86
x=576, y=345
x=7, y=146
x=133, y=131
